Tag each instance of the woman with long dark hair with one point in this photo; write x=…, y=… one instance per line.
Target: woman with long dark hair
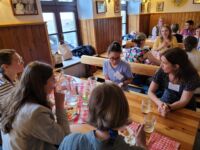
x=27, y=121
x=178, y=78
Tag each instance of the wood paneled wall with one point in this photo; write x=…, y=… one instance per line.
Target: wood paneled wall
x=178, y=17
x=101, y=32
x=87, y=32
x=145, y=22
x=133, y=23
x=29, y=40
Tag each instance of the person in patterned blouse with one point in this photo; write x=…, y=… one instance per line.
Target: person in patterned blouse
x=139, y=52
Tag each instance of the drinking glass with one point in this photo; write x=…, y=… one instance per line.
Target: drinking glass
x=83, y=90
x=71, y=104
x=149, y=123
x=130, y=138
x=146, y=105
x=92, y=82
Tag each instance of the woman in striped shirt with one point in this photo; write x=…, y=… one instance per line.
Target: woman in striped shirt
x=11, y=64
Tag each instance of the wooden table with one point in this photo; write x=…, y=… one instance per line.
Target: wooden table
x=181, y=125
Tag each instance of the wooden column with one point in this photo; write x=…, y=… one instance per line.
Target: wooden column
x=30, y=40
x=101, y=32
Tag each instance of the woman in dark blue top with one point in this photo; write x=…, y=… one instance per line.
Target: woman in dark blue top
x=178, y=78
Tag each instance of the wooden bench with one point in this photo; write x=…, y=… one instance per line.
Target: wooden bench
x=137, y=68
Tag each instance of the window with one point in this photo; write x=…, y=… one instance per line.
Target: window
x=61, y=18
x=124, y=16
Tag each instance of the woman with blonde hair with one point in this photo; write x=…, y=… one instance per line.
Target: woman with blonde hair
x=165, y=41
x=27, y=121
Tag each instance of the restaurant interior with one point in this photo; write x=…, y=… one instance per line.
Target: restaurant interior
x=84, y=41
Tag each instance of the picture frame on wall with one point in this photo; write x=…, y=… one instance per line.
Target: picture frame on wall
x=117, y=6
x=24, y=7
x=196, y=1
x=101, y=6
x=160, y=6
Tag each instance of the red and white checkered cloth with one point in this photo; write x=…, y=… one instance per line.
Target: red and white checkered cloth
x=82, y=115
x=158, y=141
x=133, y=126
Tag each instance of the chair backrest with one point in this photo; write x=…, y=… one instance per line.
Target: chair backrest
x=137, y=68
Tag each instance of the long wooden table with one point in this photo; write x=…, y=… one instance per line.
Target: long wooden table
x=180, y=125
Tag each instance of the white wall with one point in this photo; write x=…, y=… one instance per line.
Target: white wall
x=85, y=9
x=7, y=17
x=110, y=10
x=169, y=6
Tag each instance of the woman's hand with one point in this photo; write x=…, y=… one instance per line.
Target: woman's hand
x=141, y=137
x=163, y=109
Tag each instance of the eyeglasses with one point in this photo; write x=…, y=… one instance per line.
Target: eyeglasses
x=114, y=58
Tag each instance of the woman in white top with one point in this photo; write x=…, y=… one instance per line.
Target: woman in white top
x=190, y=44
x=27, y=121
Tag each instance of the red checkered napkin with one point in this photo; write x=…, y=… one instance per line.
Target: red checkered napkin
x=158, y=141
x=133, y=126
x=82, y=115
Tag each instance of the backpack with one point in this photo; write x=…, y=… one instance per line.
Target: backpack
x=83, y=50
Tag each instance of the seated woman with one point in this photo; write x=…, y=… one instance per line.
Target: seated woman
x=139, y=53
x=11, y=64
x=27, y=121
x=115, y=69
x=190, y=44
x=108, y=112
x=178, y=78
x=165, y=40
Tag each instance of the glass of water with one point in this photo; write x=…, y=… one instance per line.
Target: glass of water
x=149, y=123
x=71, y=104
x=146, y=106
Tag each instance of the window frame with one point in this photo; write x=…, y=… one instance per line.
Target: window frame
x=124, y=7
x=57, y=7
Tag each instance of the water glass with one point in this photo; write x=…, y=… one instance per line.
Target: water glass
x=149, y=123
x=71, y=104
x=92, y=83
x=146, y=105
x=83, y=90
x=130, y=138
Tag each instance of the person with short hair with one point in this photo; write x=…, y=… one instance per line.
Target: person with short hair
x=115, y=69
x=140, y=53
x=190, y=44
x=188, y=29
x=178, y=78
x=156, y=29
x=175, y=28
x=108, y=113
x=11, y=64
x=197, y=35
x=27, y=121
